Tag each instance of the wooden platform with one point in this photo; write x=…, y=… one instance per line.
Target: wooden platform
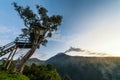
x=23, y=45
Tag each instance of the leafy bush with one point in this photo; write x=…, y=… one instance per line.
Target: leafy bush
x=42, y=72
x=11, y=76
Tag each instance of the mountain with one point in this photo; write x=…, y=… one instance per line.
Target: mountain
x=34, y=60
x=86, y=68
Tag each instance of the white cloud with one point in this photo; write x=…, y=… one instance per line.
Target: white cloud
x=41, y=56
x=35, y=55
x=82, y=52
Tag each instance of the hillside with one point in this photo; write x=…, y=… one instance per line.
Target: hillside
x=86, y=68
x=34, y=60
x=11, y=76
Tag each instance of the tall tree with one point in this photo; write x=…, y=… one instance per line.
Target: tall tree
x=38, y=27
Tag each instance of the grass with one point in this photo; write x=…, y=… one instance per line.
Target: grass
x=12, y=76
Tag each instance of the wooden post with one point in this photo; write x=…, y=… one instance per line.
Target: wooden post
x=7, y=67
x=6, y=62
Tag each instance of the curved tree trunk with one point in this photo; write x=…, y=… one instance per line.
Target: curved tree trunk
x=20, y=64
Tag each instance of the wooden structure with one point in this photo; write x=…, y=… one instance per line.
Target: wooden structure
x=11, y=49
x=23, y=43
x=19, y=42
x=7, y=48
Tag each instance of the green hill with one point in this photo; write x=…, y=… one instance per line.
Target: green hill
x=11, y=76
x=86, y=68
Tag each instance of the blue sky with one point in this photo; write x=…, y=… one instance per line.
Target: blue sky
x=89, y=24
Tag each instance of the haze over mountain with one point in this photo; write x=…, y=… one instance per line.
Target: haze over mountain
x=74, y=51
x=84, y=68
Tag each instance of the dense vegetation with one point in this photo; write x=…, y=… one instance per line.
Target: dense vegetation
x=87, y=68
x=33, y=72
x=73, y=68
x=42, y=72
x=11, y=76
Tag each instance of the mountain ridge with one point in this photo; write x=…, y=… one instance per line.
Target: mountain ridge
x=85, y=68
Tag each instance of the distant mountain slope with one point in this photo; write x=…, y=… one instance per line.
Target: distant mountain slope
x=86, y=68
x=34, y=60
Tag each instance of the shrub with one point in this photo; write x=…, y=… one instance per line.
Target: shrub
x=4, y=75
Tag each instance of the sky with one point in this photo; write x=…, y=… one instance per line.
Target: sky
x=87, y=24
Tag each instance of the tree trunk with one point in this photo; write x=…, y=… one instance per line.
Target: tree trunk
x=20, y=64
x=9, y=59
x=9, y=63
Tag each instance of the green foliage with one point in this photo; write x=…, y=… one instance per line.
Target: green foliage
x=11, y=76
x=66, y=78
x=38, y=22
x=42, y=72
x=87, y=68
x=38, y=28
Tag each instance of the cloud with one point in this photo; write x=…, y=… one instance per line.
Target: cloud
x=81, y=52
x=74, y=49
x=41, y=56
x=99, y=31
x=35, y=55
